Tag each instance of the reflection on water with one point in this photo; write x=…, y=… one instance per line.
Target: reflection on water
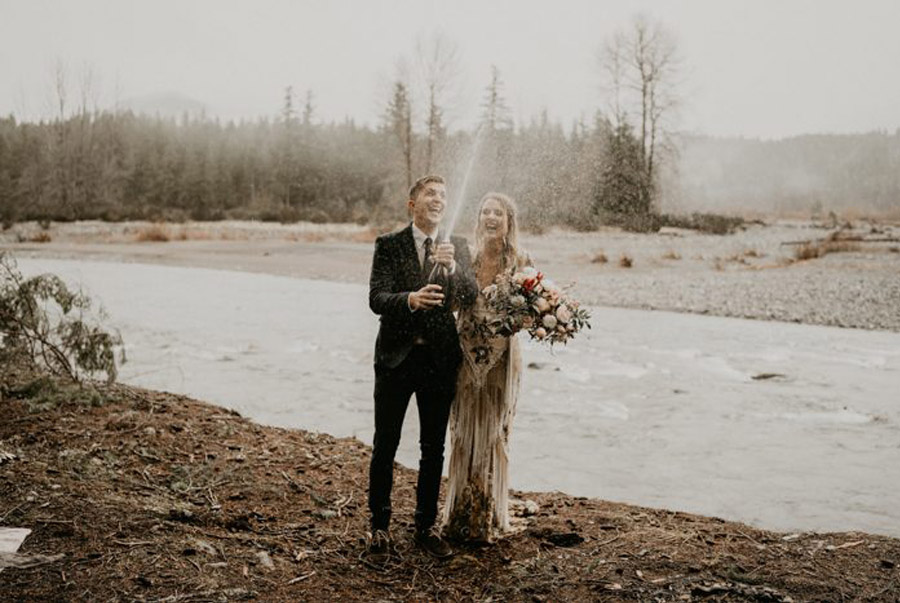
x=650, y=408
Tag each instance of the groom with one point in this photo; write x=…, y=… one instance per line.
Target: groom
x=417, y=351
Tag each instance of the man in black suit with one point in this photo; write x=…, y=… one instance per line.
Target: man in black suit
x=417, y=351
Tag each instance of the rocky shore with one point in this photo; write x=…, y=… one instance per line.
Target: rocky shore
x=845, y=275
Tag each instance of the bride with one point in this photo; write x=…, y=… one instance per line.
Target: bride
x=481, y=416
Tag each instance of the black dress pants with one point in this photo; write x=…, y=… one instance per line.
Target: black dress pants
x=434, y=388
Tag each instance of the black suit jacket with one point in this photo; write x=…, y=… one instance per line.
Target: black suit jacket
x=396, y=273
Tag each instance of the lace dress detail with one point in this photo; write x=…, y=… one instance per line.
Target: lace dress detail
x=476, y=506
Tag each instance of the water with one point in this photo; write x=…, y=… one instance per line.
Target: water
x=649, y=408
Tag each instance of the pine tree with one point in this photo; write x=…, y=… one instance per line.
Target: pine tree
x=623, y=188
x=399, y=123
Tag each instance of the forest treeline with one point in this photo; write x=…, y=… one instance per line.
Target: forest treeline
x=117, y=166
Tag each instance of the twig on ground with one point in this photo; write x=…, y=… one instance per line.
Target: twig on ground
x=301, y=578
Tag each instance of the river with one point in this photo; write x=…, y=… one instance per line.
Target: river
x=783, y=426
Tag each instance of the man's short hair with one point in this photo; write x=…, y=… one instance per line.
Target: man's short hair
x=416, y=188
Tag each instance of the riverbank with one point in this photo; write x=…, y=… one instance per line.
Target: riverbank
x=791, y=271
x=153, y=496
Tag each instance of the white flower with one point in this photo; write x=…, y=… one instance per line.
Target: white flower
x=550, y=285
x=549, y=321
x=541, y=305
x=540, y=332
x=529, y=272
x=517, y=301
x=563, y=314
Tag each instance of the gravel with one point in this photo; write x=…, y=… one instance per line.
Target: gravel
x=751, y=274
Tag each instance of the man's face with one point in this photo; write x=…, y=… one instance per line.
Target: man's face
x=428, y=206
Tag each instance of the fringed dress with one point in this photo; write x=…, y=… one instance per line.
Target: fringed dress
x=477, y=499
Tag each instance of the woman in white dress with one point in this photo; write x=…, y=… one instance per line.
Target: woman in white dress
x=476, y=508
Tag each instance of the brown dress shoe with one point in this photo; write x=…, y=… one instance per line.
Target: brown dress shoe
x=430, y=540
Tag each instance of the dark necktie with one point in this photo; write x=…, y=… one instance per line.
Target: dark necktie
x=428, y=262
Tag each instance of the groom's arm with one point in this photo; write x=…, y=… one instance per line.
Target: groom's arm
x=383, y=299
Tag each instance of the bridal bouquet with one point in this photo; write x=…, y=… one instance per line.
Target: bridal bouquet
x=525, y=300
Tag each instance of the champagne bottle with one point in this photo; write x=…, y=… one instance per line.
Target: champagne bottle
x=439, y=275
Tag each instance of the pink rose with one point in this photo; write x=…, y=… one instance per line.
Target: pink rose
x=563, y=314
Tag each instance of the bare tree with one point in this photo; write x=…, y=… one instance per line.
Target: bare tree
x=641, y=68
x=438, y=69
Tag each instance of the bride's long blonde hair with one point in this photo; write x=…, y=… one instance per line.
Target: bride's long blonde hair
x=510, y=255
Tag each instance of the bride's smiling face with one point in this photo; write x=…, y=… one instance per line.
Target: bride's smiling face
x=493, y=220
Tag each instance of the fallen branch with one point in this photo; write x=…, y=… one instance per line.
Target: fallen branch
x=23, y=561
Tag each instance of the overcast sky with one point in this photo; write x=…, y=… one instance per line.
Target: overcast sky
x=767, y=68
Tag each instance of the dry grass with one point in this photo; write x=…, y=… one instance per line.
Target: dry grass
x=810, y=251
x=156, y=233
x=599, y=258
x=41, y=237
x=367, y=236
x=671, y=255
x=752, y=253
x=626, y=261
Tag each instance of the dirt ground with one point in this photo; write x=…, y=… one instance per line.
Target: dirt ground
x=148, y=496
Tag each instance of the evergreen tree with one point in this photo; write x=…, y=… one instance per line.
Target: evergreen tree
x=623, y=187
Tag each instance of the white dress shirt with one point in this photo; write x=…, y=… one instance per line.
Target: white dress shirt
x=419, y=237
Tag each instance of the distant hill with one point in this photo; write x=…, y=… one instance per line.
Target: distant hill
x=808, y=174
x=165, y=104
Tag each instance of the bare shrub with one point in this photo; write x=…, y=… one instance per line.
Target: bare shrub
x=736, y=258
x=808, y=251
x=599, y=258
x=41, y=237
x=157, y=233
x=842, y=247
x=625, y=261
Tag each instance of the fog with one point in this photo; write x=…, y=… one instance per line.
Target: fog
x=768, y=69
